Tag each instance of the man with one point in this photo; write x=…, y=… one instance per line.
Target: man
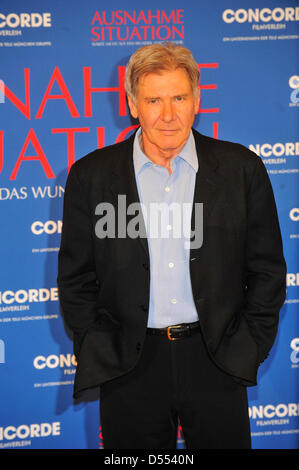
x=173, y=327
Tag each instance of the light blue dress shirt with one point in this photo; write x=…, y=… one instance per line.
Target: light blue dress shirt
x=168, y=232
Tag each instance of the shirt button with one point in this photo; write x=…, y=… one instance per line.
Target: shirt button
x=169, y=227
x=171, y=265
x=167, y=189
x=173, y=301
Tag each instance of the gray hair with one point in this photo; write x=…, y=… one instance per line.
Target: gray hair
x=156, y=58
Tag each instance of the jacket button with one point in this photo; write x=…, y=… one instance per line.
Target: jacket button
x=143, y=307
x=138, y=347
x=145, y=265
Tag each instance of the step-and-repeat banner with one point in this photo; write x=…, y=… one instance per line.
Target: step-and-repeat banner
x=61, y=96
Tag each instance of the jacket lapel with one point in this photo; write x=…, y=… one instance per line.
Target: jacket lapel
x=206, y=184
x=124, y=183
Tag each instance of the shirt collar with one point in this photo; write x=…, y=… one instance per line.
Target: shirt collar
x=188, y=153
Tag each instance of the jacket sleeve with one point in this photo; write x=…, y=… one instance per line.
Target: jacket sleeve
x=77, y=281
x=265, y=268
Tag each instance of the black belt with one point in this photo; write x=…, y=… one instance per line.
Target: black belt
x=174, y=332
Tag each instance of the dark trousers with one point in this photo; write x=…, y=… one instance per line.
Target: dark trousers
x=174, y=381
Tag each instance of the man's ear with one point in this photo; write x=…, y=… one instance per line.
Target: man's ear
x=197, y=101
x=133, y=108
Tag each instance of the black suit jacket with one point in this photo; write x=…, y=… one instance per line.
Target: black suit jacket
x=237, y=275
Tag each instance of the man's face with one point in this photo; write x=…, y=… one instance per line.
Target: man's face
x=165, y=106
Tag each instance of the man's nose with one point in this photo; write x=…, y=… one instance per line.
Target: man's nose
x=168, y=111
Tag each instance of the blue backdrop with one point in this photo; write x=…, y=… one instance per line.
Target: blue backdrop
x=61, y=96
